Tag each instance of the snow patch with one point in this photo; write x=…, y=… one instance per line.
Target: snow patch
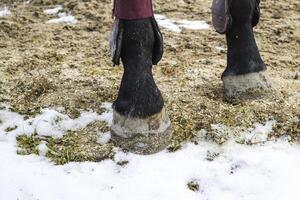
x=103, y=138
x=167, y=23
x=257, y=172
x=4, y=12
x=176, y=26
x=63, y=18
x=259, y=133
x=220, y=48
x=49, y=122
x=42, y=148
x=53, y=11
x=194, y=25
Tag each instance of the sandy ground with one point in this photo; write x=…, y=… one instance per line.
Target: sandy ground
x=63, y=65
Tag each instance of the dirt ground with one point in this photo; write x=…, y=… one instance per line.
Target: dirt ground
x=60, y=65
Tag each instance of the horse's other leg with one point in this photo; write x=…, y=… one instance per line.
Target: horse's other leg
x=245, y=68
x=140, y=122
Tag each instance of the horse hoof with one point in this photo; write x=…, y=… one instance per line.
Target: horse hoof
x=142, y=136
x=243, y=85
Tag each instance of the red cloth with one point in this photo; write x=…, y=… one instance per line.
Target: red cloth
x=133, y=9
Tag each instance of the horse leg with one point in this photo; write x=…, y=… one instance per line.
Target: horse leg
x=140, y=122
x=245, y=68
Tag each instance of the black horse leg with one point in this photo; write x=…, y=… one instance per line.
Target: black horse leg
x=140, y=122
x=245, y=68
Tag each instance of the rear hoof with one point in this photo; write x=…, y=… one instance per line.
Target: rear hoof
x=244, y=85
x=142, y=136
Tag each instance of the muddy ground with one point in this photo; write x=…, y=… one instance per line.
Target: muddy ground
x=63, y=65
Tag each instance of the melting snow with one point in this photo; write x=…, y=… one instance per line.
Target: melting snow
x=220, y=49
x=42, y=148
x=167, y=23
x=49, y=123
x=4, y=12
x=63, y=18
x=195, y=25
x=176, y=26
x=259, y=133
x=228, y=172
x=103, y=138
x=53, y=11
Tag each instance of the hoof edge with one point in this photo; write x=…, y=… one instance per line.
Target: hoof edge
x=142, y=136
x=240, y=85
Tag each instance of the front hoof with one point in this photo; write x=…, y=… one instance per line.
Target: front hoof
x=239, y=86
x=142, y=136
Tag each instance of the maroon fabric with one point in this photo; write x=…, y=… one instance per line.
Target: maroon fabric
x=133, y=9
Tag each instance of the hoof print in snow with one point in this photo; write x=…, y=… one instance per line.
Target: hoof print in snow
x=142, y=136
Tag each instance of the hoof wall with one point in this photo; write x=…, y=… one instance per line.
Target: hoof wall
x=247, y=84
x=142, y=136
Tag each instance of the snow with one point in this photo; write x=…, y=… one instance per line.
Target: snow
x=103, y=138
x=259, y=133
x=220, y=49
x=176, y=26
x=53, y=11
x=268, y=170
x=42, y=148
x=49, y=122
x=167, y=23
x=63, y=18
x=4, y=12
x=195, y=25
